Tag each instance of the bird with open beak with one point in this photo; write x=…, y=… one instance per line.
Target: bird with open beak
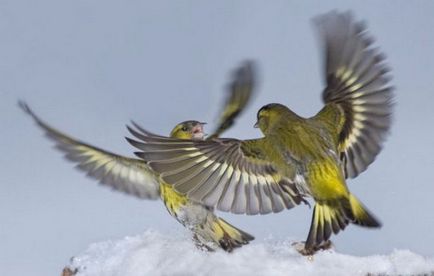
x=297, y=157
x=134, y=177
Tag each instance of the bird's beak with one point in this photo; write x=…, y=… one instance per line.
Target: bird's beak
x=198, y=131
x=204, y=134
x=256, y=125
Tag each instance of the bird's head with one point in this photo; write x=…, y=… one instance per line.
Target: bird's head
x=188, y=130
x=269, y=115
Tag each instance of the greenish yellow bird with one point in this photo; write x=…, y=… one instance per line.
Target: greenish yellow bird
x=297, y=157
x=133, y=176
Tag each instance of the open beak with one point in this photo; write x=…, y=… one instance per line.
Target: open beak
x=198, y=131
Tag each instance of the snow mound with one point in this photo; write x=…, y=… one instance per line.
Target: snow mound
x=153, y=253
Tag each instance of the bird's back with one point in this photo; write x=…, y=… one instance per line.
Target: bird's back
x=308, y=153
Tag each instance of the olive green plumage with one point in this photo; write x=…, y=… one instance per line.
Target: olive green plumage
x=297, y=157
x=311, y=147
x=134, y=177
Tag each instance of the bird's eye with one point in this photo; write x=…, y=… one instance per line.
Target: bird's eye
x=184, y=128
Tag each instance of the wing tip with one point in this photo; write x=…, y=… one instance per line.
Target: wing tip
x=26, y=108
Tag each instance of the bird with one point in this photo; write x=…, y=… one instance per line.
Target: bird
x=134, y=177
x=297, y=157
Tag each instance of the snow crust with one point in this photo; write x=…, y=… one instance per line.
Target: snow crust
x=153, y=253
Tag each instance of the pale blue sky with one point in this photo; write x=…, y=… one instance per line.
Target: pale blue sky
x=88, y=67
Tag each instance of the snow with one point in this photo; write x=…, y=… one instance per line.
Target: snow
x=153, y=253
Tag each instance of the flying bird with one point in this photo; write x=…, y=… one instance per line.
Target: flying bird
x=134, y=177
x=297, y=157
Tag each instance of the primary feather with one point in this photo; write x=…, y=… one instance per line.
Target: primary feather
x=129, y=175
x=297, y=156
x=228, y=174
x=357, y=89
x=134, y=176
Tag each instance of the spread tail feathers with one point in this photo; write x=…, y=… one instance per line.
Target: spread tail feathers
x=218, y=231
x=333, y=216
x=362, y=216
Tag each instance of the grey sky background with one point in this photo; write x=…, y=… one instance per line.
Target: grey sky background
x=88, y=67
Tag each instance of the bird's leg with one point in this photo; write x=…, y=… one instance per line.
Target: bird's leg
x=305, y=202
x=301, y=248
x=201, y=245
x=325, y=245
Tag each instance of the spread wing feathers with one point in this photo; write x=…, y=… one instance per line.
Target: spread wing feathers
x=128, y=175
x=231, y=175
x=358, y=86
x=240, y=92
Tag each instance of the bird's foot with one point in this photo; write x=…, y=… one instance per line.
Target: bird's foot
x=201, y=245
x=301, y=248
x=67, y=271
x=306, y=202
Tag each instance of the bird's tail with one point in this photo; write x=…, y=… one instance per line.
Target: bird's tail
x=221, y=233
x=361, y=215
x=332, y=216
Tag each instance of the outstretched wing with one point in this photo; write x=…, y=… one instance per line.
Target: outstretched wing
x=128, y=175
x=358, y=90
x=228, y=174
x=240, y=92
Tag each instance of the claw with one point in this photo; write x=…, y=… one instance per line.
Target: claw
x=309, y=252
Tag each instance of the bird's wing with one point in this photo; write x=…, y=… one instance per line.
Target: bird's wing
x=128, y=175
x=239, y=93
x=357, y=88
x=231, y=175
